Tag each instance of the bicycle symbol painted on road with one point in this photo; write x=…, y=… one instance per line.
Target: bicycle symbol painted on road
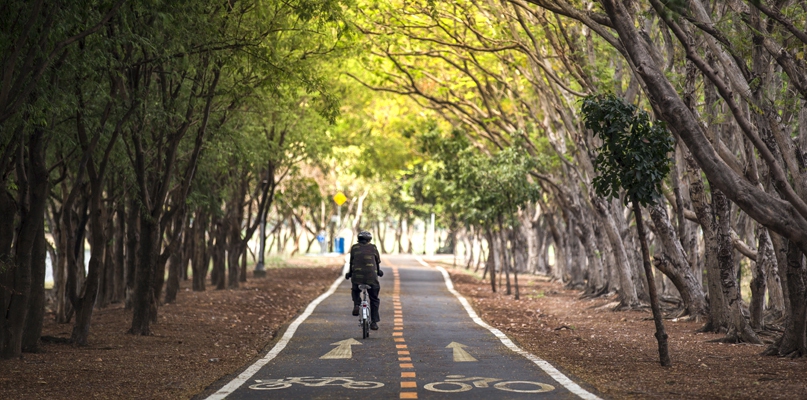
x=345, y=382
x=457, y=383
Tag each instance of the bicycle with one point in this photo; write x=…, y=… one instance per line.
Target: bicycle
x=364, y=312
x=346, y=382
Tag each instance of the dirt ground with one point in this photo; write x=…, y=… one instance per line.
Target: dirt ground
x=207, y=335
x=199, y=339
x=616, y=354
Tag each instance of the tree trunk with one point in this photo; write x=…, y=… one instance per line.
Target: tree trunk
x=85, y=302
x=575, y=273
x=36, y=307
x=143, y=297
x=794, y=341
x=7, y=207
x=132, y=250
x=16, y=281
x=559, y=247
x=739, y=330
x=175, y=260
x=490, y=262
x=661, y=334
x=120, y=245
x=758, y=280
x=199, y=262
x=399, y=234
x=628, y=297
x=679, y=271
x=218, y=277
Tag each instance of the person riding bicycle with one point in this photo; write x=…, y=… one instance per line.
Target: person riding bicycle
x=365, y=268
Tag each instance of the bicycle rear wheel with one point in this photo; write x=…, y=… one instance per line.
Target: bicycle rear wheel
x=365, y=329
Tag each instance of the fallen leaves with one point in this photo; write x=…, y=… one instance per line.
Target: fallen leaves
x=193, y=343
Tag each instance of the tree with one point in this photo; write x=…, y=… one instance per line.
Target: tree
x=634, y=156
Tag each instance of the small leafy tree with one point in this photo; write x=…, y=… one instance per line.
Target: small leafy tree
x=634, y=156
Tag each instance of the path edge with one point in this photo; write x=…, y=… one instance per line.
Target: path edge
x=247, y=373
x=541, y=363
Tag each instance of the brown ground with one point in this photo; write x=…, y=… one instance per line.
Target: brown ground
x=201, y=338
x=211, y=334
x=616, y=353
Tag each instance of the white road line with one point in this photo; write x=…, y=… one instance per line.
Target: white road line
x=279, y=346
x=544, y=365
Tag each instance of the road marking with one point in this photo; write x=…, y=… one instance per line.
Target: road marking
x=343, y=351
x=460, y=355
x=544, y=365
x=280, y=345
x=345, y=382
x=403, y=355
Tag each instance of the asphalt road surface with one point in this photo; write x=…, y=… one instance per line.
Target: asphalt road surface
x=429, y=346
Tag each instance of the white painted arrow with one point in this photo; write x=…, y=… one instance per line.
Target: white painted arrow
x=460, y=355
x=343, y=351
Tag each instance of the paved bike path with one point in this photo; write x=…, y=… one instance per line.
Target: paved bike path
x=408, y=357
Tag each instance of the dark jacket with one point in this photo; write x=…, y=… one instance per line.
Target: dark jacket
x=364, y=263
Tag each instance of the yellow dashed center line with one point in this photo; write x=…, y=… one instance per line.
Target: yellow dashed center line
x=408, y=386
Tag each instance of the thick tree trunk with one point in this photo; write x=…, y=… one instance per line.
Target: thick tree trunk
x=175, y=261
x=86, y=303
x=739, y=329
x=758, y=280
x=628, y=297
x=490, y=262
x=7, y=207
x=780, y=251
x=718, y=308
x=132, y=250
x=794, y=341
x=16, y=281
x=143, y=297
x=218, y=277
x=678, y=268
x=776, y=301
x=559, y=247
x=36, y=307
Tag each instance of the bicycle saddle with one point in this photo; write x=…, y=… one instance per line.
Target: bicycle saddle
x=362, y=287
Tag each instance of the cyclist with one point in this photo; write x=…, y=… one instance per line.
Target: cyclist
x=365, y=268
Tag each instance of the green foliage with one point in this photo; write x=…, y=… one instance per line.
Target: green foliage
x=477, y=188
x=635, y=152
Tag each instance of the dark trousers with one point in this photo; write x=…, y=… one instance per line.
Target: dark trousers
x=375, y=302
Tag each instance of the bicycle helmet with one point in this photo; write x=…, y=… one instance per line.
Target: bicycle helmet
x=365, y=237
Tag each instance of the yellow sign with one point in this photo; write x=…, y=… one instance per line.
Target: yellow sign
x=340, y=198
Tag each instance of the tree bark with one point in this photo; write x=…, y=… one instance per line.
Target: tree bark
x=628, y=297
x=679, y=271
x=132, y=250
x=661, y=334
x=36, y=308
x=794, y=341
x=739, y=329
